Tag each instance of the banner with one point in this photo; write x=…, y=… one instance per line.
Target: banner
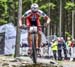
x=10, y=37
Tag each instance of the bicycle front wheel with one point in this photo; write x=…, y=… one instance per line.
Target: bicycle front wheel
x=34, y=54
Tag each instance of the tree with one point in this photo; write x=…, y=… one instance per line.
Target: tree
x=17, y=46
x=70, y=7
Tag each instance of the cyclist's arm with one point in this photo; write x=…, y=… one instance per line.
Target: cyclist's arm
x=26, y=14
x=20, y=21
x=44, y=16
x=48, y=20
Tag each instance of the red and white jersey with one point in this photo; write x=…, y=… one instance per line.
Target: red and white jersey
x=33, y=16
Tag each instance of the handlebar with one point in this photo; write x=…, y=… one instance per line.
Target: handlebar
x=27, y=27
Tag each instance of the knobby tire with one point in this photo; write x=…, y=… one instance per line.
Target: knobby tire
x=34, y=57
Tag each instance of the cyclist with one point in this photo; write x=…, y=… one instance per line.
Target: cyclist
x=32, y=17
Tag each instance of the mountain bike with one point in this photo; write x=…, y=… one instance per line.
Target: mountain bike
x=34, y=31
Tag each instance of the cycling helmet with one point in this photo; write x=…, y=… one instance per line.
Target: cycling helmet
x=34, y=7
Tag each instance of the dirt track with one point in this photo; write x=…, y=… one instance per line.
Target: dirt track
x=4, y=61
x=8, y=61
x=68, y=63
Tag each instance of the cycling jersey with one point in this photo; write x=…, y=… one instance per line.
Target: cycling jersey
x=32, y=18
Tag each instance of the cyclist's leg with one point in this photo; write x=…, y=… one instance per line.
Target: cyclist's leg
x=38, y=42
x=30, y=43
x=38, y=38
x=29, y=36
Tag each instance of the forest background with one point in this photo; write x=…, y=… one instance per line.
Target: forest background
x=61, y=12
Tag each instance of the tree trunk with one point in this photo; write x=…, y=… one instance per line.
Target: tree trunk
x=60, y=29
x=17, y=46
x=73, y=22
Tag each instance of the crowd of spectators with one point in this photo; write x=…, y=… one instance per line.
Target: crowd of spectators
x=63, y=49
x=59, y=49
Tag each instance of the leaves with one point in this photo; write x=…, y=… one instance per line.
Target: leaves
x=68, y=34
x=69, y=6
x=3, y=0
x=47, y=5
x=3, y=11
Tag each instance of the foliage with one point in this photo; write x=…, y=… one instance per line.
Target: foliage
x=3, y=11
x=69, y=6
x=47, y=5
x=68, y=34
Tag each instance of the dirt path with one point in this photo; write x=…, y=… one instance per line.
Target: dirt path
x=8, y=60
x=68, y=63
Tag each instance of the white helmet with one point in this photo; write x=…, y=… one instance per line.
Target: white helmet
x=34, y=7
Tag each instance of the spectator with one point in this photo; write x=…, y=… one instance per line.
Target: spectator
x=61, y=46
x=72, y=50
x=68, y=43
x=54, y=48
